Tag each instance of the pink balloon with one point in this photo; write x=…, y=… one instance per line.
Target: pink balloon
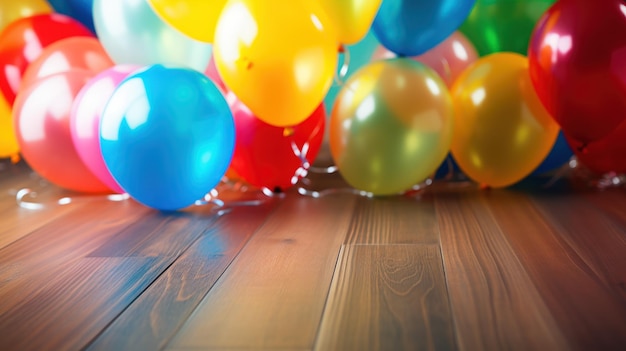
x=449, y=59
x=214, y=76
x=85, y=120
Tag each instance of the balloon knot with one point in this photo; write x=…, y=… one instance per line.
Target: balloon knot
x=15, y=158
x=583, y=148
x=287, y=132
x=342, y=49
x=485, y=187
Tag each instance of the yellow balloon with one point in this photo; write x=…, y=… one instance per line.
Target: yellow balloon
x=352, y=18
x=11, y=10
x=8, y=141
x=194, y=18
x=502, y=131
x=279, y=57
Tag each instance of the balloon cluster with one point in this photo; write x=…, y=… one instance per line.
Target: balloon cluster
x=161, y=98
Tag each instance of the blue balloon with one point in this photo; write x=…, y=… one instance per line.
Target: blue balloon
x=447, y=168
x=412, y=27
x=80, y=10
x=167, y=136
x=561, y=154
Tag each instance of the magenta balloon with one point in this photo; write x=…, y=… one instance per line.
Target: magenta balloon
x=85, y=120
x=449, y=59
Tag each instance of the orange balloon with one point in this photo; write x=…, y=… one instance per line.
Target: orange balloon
x=278, y=57
x=42, y=123
x=502, y=132
x=11, y=10
x=8, y=143
x=67, y=54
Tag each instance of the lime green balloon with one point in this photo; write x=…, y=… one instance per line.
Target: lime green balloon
x=503, y=25
x=391, y=126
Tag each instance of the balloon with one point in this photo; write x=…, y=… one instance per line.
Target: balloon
x=605, y=155
x=167, y=136
x=267, y=156
x=195, y=19
x=85, y=120
x=67, y=54
x=22, y=42
x=449, y=59
x=503, y=25
x=411, y=28
x=352, y=18
x=214, y=75
x=391, y=126
x=278, y=57
x=502, y=132
x=11, y=10
x=132, y=33
x=80, y=10
x=559, y=156
x=447, y=168
x=42, y=122
x=578, y=66
x=8, y=141
x=360, y=54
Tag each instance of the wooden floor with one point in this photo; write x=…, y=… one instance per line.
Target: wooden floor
x=454, y=268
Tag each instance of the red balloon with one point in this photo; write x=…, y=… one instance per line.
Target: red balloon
x=578, y=66
x=605, y=155
x=265, y=155
x=71, y=53
x=22, y=41
x=42, y=125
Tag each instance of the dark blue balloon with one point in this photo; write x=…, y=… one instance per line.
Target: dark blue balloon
x=80, y=10
x=448, y=168
x=167, y=136
x=412, y=27
x=561, y=153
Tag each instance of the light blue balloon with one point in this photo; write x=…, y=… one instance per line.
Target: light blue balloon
x=360, y=54
x=412, y=27
x=132, y=33
x=167, y=136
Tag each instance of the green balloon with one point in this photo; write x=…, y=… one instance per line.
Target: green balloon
x=391, y=126
x=503, y=25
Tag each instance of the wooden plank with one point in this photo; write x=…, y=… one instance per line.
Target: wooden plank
x=577, y=284
x=158, y=234
x=151, y=321
x=17, y=222
x=610, y=202
x=394, y=220
x=273, y=294
x=597, y=236
x=77, y=304
x=38, y=257
x=388, y=297
x=495, y=304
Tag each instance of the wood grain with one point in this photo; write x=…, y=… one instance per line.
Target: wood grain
x=77, y=304
x=397, y=220
x=272, y=296
x=388, y=297
x=37, y=257
x=150, y=322
x=17, y=222
x=495, y=304
x=578, y=286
